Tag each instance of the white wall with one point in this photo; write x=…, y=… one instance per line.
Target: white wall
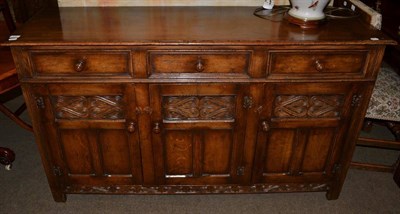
x=88, y=3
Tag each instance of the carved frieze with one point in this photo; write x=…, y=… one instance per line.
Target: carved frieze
x=199, y=108
x=314, y=106
x=201, y=189
x=88, y=107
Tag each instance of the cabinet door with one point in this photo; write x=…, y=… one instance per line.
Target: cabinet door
x=198, y=133
x=91, y=131
x=302, y=131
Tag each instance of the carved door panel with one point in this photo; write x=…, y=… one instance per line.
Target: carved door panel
x=91, y=133
x=198, y=133
x=302, y=131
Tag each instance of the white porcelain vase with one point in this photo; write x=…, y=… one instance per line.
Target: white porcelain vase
x=308, y=10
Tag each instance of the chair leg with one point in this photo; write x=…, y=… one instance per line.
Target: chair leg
x=394, y=127
x=13, y=117
x=7, y=156
x=372, y=167
x=20, y=110
x=367, y=125
x=396, y=176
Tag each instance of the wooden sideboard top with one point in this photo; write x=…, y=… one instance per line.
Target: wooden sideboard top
x=183, y=26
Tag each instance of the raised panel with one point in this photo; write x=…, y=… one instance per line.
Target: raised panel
x=107, y=153
x=178, y=150
x=99, y=154
x=197, y=154
x=76, y=151
x=217, y=152
x=114, y=152
x=279, y=151
x=318, y=149
x=292, y=152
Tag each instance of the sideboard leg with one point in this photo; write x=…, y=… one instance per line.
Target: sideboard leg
x=334, y=190
x=59, y=196
x=332, y=194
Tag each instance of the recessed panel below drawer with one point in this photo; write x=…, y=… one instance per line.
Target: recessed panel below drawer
x=287, y=64
x=183, y=64
x=100, y=107
x=198, y=108
x=81, y=63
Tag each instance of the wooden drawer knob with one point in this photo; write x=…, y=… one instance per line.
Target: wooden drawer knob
x=200, y=65
x=318, y=65
x=131, y=127
x=265, y=126
x=156, y=128
x=80, y=65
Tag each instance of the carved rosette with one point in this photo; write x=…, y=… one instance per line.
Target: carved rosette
x=199, y=108
x=88, y=107
x=314, y=106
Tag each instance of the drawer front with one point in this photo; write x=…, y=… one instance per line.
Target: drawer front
x=199, y=63
x=81, y=63
x=318, y=63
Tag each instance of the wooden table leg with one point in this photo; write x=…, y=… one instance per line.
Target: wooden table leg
x=7, y=156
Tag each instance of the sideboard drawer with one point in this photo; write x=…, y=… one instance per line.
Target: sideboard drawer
x=296, y=64
x=81, y=63
x=199, y=63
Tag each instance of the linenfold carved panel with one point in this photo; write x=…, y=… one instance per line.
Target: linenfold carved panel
x=199, y=108
x=313, y=106
x=88, y=107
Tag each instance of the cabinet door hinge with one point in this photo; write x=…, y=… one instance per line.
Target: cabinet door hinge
x=57, y=171
x=240, y=170
x=247, y=102
x=356, y=100
x=336, y=168
x=40, y=102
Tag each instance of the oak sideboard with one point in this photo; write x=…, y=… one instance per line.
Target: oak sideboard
x=194, y=100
